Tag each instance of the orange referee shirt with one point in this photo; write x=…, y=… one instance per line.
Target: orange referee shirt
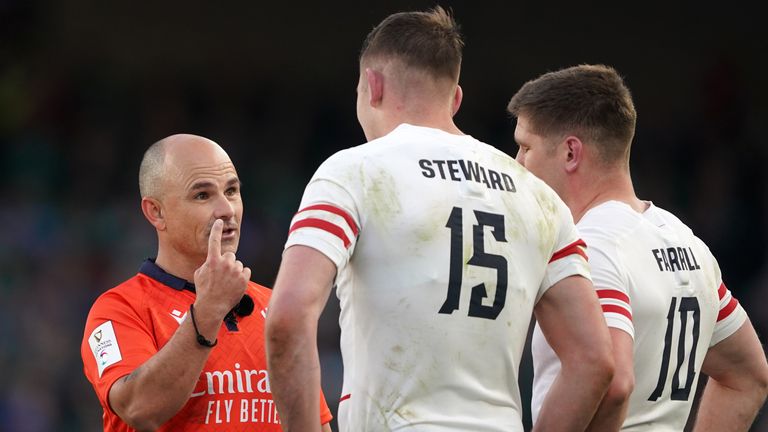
x=131, y=322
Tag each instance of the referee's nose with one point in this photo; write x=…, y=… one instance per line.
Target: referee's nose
x=224, y=208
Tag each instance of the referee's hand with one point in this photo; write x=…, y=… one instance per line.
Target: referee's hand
x=221, y=281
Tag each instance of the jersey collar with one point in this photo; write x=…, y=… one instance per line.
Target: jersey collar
x=150, y=269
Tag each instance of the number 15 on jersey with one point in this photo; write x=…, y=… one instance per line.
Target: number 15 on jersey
x=479, y=258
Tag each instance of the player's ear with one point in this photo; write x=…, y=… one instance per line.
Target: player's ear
x=458, y=96
x=575, y=153
x=153, y=211
x=375, y=82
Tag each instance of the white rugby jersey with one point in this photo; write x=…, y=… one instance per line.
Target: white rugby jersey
x=660, y=283
x=443, y=245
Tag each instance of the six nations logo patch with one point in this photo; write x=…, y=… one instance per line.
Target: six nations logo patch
x=104, y=346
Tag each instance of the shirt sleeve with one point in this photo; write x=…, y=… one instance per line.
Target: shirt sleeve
x=731, y=315
x=610, y=283
x=115, y=342
x=327, y=219
x=569, y=257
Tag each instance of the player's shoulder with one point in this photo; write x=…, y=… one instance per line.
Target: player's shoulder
x=353, y=161
x=402, y=135
x=610, y=223
x=340, y=158
x=614, y=215
x=662, y=217
x=342, y=164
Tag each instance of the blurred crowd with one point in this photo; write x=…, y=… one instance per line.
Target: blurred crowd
x=70, y=225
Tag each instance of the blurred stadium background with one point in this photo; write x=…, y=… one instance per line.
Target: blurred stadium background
x=86, y=86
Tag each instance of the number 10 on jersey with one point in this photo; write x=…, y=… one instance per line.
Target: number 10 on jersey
x=688, y=305
x=479, y=258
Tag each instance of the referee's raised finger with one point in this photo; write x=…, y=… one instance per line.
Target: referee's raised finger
x=214, y=239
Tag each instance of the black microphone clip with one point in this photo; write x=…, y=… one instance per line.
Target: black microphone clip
x=244, y=306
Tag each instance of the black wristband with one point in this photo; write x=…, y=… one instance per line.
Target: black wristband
x=200, y=338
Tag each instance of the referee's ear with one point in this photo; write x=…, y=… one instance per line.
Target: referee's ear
x=153, y=211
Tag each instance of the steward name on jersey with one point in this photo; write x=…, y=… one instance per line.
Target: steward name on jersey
x=461, y=170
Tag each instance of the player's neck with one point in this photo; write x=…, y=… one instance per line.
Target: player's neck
x=608, y=186
x=429, y=115
x=443, y=125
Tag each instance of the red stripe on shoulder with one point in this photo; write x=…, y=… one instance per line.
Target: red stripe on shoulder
x=335, y=210
x=345, y=397
x=323, y=225
x=618, y=310
x=573, y=248
x=726, y=311
x=614, y=294
x=722, y=290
